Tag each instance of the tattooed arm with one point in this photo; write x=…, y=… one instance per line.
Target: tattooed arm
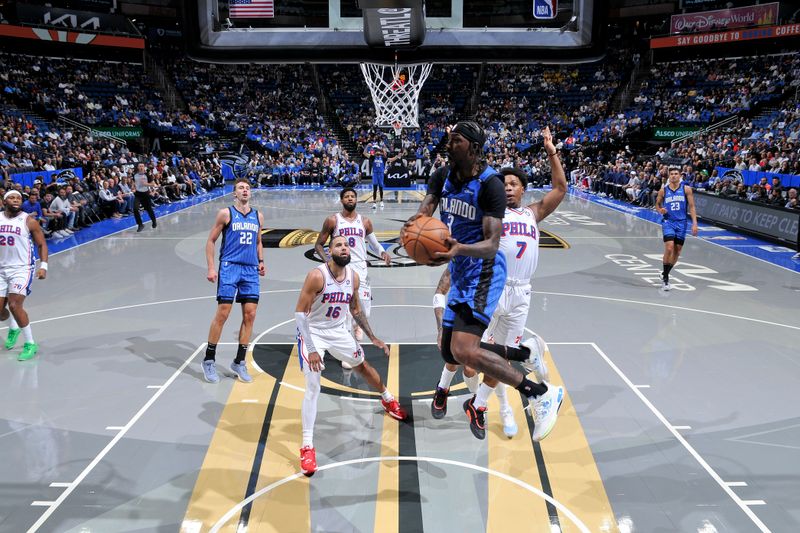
x=361, y=320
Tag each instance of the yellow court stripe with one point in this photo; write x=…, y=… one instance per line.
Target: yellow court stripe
x=387, y=506
x=514, y=457
x=574, y=477
x=286, y=509
x=453, y=388
x=223, y=478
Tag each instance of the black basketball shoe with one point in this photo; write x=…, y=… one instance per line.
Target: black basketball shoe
x=439, y=403
x=477, y=418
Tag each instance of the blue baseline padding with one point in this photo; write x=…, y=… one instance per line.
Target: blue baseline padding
x=27, y=178
x=750, y=177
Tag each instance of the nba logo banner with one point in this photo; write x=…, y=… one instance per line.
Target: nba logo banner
x=545, y=9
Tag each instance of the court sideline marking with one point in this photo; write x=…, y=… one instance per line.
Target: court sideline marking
x=99, y=457
x=742, y=504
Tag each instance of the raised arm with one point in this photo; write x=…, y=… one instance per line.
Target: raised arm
x=552, y=199
x=324, y=235
x=222, y=219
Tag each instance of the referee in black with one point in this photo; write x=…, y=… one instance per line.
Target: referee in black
x=141, y=196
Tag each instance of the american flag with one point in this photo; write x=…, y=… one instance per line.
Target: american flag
x=242, y=9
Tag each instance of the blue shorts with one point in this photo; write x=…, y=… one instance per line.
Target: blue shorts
x=478, y=283
x=237, y=281
x=377, y=179
x=674, y=230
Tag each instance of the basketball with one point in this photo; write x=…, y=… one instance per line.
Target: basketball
x=425, y=236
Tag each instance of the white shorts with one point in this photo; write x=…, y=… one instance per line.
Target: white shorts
x=16, y=280
x=338, y=342
x=508, y=321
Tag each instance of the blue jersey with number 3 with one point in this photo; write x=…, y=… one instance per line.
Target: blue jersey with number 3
x=240, y=238
x=675, y=203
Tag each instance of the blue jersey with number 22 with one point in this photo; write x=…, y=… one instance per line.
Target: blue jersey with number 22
x=239, y=238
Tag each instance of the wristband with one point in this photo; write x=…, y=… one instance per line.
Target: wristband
x=553, y=154
x=43, y=265
x=260, y=260
x=439, y=301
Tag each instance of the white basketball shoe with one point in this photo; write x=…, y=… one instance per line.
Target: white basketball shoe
x=545, y=411
x=535, y=362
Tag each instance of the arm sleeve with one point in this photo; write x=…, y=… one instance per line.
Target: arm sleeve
x=302, y=327
x=492, y=198
x=374, y=245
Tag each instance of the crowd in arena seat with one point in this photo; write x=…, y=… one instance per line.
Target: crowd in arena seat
x=275, y=106
x=64, y=203
x=770, y=145
x=700, y=92
x=102, y=93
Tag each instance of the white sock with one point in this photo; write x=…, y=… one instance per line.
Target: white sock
x=309, y=409
x=446, y=379
x=27, y=334
x=12, y=324
x=482, y=396
x=473, y=382
x=502, y=397
x=387, y=396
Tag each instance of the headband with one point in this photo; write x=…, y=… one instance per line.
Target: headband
x=471, y=131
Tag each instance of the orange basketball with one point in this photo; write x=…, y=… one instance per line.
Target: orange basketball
x=424, y=237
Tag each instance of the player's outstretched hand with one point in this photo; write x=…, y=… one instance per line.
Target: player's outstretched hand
x=315, y=362
x=382, y=345
x=386, y=258
x=212, y=275
x=547, y=137
x=441, y=258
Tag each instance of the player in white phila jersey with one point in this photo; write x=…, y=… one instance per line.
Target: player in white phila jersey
x=358, y=231
x=519, y=241
x=18, y=232
x=326, y=302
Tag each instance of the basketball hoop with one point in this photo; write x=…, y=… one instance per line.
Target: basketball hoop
x=395, y=92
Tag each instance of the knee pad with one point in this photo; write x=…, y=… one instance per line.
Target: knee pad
x=447, y=355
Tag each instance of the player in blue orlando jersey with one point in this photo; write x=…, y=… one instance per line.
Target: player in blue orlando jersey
x=241, y=262
x=673, y=202
x=472, y=202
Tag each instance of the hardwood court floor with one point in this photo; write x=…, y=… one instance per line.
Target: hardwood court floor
x=680, y=411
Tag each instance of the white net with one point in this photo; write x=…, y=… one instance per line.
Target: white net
x=395, y=91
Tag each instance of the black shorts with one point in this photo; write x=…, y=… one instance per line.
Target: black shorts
x=674, y=239
x=464, y=322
